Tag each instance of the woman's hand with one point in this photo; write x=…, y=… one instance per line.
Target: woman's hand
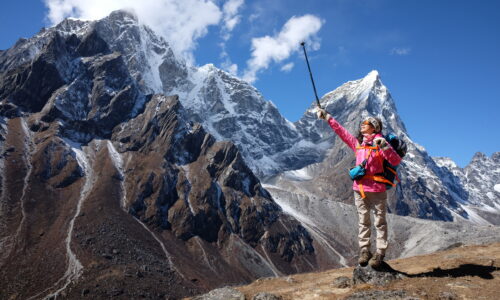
x=322, y=114
x=381, y=142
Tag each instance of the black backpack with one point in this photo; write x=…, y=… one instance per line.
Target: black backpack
x=401, y=148
x=397, y=144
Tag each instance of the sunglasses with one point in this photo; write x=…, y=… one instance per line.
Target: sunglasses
x=366, y=123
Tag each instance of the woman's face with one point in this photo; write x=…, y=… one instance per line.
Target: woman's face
x=367, y=128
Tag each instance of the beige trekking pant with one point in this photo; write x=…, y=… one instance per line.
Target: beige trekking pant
x=377, y=201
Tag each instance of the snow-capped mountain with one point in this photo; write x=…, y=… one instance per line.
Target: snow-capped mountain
x=231, y=109
x=427, y=189
x=101, y=179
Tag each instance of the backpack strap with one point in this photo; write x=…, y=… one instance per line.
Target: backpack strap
x=360, y=185
x=361, y=191
x=395, y=173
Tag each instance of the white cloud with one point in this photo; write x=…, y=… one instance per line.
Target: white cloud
x=400, y=51
x=181, y=22
x=269, y=49
x=230, y=10
x=288, y=67
x=230, y=67
x=230, y=17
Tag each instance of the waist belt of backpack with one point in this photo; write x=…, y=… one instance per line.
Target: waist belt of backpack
x=377, y=178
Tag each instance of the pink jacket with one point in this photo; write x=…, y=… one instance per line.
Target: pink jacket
x=374, y=163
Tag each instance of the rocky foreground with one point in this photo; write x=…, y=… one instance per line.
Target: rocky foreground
x=465, y=272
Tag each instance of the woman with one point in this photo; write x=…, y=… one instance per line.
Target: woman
x=369, y=191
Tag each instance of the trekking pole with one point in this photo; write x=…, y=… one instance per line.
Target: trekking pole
x=310, y=73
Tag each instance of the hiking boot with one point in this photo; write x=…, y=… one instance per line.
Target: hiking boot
x=364, y=257
x=376, y=260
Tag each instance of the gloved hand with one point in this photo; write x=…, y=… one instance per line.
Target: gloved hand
x=381, y=142
x=322, y=114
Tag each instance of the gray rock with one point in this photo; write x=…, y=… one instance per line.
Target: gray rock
x=225, y=293
x=367, y=274
x=447, y=296
x=378, y=295
x=342, y=282
x=266, y=296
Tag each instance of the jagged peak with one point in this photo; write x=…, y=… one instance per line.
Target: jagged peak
x=496, y=156
x=445, y=162
x=479, y=156
x=372, y=76
x=372, y=81
x=208, y=68
x=358, y=90
x=71, y=26
x=124, y=14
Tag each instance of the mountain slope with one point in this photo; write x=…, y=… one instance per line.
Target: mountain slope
x=101, y=180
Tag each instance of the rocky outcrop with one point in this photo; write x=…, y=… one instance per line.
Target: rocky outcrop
x=380, y=276
x=222, y=293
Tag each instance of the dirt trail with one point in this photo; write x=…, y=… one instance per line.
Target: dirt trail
x=466, y=272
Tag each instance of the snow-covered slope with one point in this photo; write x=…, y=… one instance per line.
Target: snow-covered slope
x=229, y=108
x=479, y=178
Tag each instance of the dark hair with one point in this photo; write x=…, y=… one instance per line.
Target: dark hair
x=360, y=135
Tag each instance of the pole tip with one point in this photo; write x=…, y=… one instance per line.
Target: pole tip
x=302, y=43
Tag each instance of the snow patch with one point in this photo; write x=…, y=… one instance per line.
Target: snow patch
x=27, y=154
x=298, y=175
x=311, y=227
x=474, y=217
x=154, y=61
x=186, y=194
x=74, y=268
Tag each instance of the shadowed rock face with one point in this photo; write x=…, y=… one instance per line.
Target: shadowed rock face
x=106, y=191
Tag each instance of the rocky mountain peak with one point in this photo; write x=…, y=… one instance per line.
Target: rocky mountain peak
x=446, y=162
x=478, y=157
x=496, y=157
x=122, y=15
x=372, y=80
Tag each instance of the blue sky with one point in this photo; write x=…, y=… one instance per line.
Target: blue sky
x=439, y=59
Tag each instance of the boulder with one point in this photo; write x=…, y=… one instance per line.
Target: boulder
x=225, y=293
x=379, y=276
x=266, y=296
